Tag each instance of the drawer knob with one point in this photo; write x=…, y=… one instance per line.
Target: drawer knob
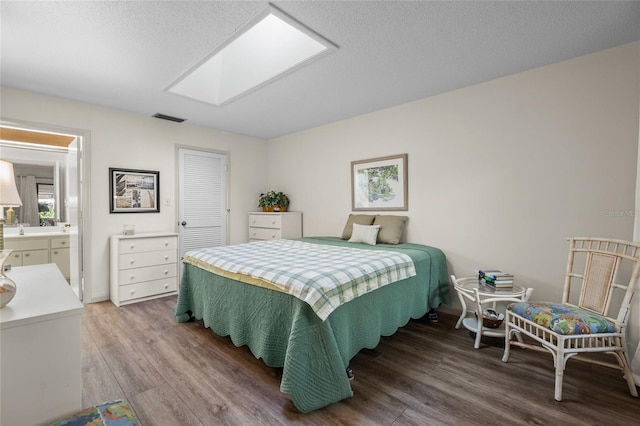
x=16, y=255
x=166, y=272
x=27, y=254
x=254, y=221
x=273, y=223
x=63, y=242
x=132, y=246
x=166, y=258
x=132, y=277
x=166, y=286
x=273, y=235
x=132, y=261
x=132, y=291
x=55, y=252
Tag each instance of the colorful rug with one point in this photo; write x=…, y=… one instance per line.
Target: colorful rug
x=115, y=413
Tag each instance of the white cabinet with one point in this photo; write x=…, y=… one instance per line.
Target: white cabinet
x=36, y=250
x=275, y=226
x=41, y=335
x=60, y=255
x=35, y=257
x=28, y=251
x=143, y=267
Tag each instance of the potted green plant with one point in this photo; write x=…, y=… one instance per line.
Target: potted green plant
x=273, y=201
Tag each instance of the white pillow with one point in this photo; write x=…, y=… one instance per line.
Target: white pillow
x=364, y=234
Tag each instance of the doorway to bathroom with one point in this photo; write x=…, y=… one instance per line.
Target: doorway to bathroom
x=58, y=154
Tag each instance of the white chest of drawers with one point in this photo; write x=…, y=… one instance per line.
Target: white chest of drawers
x=143, y=267
x=274, y=226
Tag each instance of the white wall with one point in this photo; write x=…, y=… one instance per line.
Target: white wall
x=500, y=173
x=123, y=139
x=634, y=329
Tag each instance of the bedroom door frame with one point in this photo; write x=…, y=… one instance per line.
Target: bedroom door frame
x=179, y=190
x=80, y=202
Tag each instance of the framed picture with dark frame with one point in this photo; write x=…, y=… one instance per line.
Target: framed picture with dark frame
x=134, y=191
x=380, y=183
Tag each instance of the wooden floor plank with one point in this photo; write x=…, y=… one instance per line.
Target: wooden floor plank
x=162, y=406
x=206, y=391
x=98, y=382
x=425, y=374
x=409, y=417
x=131, y=368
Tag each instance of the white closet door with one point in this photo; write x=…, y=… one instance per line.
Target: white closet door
x=202, y=199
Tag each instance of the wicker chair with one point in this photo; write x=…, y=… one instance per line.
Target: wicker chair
x=578, y=330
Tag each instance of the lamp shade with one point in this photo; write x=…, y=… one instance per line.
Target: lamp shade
x=9, y=196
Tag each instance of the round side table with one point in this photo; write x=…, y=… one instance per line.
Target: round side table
x=470, y=289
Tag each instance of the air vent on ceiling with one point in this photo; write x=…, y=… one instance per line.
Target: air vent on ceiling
x=168, y=117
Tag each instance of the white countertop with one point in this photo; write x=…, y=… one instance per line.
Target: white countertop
x=42, y=294
x=36, y=235
x=13, y=232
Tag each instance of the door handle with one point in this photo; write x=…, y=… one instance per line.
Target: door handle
x=183, y=223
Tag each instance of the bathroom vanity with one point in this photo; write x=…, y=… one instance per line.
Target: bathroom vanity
x=39, y=245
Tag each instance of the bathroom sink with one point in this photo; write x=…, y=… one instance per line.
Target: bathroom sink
x=34, y=231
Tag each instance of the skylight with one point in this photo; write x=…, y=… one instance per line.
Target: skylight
x=266, y=48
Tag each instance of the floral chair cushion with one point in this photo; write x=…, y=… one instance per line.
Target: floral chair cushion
x=563, y=319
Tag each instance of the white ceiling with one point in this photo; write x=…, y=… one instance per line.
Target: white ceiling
x=123, y=54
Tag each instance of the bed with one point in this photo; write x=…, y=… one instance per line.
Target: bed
x=313, y=347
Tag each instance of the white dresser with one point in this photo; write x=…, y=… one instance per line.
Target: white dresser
x=275, y=226
x=41, y=344
x=143, y=267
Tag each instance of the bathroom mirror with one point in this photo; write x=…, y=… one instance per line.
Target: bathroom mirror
x=40, y=179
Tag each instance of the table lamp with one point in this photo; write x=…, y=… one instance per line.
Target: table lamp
x=9, y=196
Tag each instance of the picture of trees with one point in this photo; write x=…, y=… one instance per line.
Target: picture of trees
x=379, y=183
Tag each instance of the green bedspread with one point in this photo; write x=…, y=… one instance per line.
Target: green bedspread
x=285, y=332
x=332, y=275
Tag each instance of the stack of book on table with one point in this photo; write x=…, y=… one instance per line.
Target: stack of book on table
x=496, y=279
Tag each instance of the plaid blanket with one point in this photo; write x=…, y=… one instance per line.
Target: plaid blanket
x=323, y=276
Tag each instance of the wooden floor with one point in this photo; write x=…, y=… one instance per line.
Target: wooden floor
x=426, y=374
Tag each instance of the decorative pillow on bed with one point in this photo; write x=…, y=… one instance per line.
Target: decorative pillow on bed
x=391, y=228
x=360, y=219
x=364, y=234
